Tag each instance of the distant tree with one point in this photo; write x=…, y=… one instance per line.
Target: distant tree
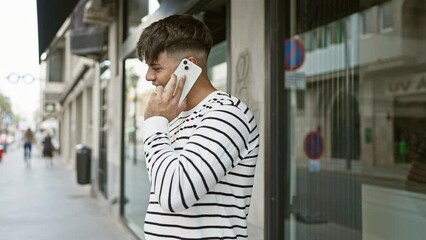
x=6, y=109
x=5, y=106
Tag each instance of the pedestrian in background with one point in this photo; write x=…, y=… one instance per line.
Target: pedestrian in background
x=201, y=154
x=48, y=149
x=28, y=142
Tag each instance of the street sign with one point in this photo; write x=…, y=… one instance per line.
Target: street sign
x=313, y=145
x=295, y=80
x=294, y=53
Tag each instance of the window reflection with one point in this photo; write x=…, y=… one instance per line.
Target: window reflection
x=217, y=66
x=386, y=21
x=359, y=140
x=137, y=185
x=367, y=21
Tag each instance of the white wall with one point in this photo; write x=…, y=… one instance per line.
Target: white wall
x=248, y=45
x=114, y=96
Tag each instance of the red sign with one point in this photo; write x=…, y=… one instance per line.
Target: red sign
x=313, y=145
x=294, y=53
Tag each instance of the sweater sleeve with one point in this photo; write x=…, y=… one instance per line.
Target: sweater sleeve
x=220, y=142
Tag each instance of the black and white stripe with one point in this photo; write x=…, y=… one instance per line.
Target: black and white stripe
x=202, y=171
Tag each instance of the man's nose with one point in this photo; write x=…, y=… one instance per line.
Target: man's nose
x=150, y=76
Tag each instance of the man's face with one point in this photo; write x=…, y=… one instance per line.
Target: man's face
x=159, y=72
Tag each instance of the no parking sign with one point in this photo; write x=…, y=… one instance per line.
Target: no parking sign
x=313, y=145
x=294, y=53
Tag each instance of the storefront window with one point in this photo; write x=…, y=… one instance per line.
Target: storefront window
x=103, y=127
x=358, y=146
x=137, y=185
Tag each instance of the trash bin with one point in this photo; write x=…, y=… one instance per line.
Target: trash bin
x=83, y=154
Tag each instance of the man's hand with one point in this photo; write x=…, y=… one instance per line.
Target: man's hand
x=165, y=104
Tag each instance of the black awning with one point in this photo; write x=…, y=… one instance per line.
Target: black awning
x=51, y=14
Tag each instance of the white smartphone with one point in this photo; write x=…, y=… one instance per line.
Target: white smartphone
x=192, y=72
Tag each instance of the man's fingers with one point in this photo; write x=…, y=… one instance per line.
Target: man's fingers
x=181, y=106
x=171, y=85
x=159, y=91
x=180, y=87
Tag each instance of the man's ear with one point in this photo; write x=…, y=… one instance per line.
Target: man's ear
x=192, y=59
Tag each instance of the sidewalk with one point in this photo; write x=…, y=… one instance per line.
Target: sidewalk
x=44, y=202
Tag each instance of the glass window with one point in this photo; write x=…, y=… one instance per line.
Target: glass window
x=324, y=37
x=105, y=76
x=321, y=37
x=339, y=31
x=317, y=38
x=311, y=40
x=56, y=61
x=305, y=40
x=217, y=66
x=357, y=161
x=137, y=185
x=332, y=33
x=367, y=22
x=335, y=32
x=308, y=41
x=386, y=21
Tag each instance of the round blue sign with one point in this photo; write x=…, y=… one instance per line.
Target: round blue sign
x=313, y=145
x=294, y=53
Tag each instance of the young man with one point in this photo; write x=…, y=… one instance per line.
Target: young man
x=200, y=155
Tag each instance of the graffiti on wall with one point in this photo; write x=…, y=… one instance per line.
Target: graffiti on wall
x=244, y=85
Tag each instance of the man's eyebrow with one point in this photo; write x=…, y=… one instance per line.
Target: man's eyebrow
x=154, y=65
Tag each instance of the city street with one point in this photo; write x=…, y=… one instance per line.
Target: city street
x=44, y=202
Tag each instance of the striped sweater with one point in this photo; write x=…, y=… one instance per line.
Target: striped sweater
x=201, y=167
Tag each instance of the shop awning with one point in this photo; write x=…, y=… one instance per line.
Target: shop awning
x=51, y=14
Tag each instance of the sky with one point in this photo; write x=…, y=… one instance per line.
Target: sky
x=19, y=54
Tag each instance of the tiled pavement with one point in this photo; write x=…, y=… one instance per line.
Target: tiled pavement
x=43, y=202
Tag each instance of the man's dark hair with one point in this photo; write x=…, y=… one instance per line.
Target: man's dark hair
x=173, y=34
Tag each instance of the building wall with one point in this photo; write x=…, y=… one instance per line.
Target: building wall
x=248, y=78
x=80, y=116
x=114, y=92
x=79, y=111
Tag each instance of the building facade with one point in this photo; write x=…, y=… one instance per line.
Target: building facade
x=338, y=91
